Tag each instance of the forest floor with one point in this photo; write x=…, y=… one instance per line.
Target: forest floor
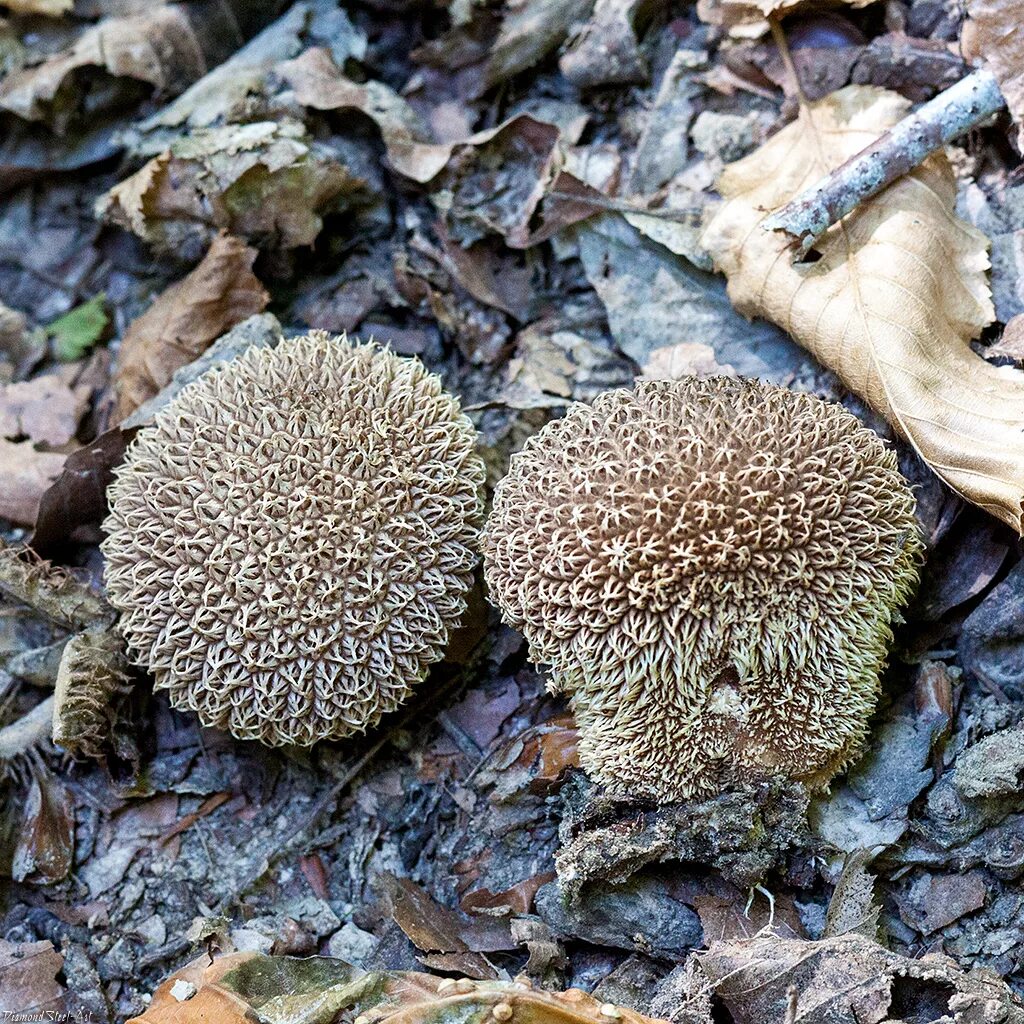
x=514, y=195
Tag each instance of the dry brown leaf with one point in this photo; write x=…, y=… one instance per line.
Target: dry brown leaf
x=687, y=359
x=26, y=474
x=265, y=181
x=28, y=980
x=195, y=994
x=184, y=321
x=45, y=845
x=319, y=83
x=44, y=410
x=435, y=928
x=849, y=978
x=158, y=47
x=994, y=34
x=899, y=290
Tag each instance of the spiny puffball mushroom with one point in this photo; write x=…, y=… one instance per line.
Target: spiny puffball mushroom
x=710, y=567
x=292, y=540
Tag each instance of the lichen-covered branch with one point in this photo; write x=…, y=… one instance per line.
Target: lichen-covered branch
x=893, y=154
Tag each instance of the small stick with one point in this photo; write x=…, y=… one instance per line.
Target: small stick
x=21, y=736
x=895, y=153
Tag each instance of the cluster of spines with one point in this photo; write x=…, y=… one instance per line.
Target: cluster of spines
x=710, y=568
x=292, y=540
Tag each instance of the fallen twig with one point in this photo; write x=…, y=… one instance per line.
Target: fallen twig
x=893, y=154
x=22, y=736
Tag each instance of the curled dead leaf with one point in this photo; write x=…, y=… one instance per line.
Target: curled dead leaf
x=79, y=494
x=517, y=163
x=184, y=321
x=266, y=181
x=898, y=292
x=435, y=928
x=159, y=47
x=850, y=978
x=320, y=84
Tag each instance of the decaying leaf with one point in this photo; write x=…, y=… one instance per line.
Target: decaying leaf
x=853, y=907
x=935, y=901
x=221, y=96
x=46, y=837
x=50, y=590
x=78, y=495
x=247, y=986
x=159, y=47
x=185, y=319
x=265, y=181
x=318, y=83
x=28, y=980
x=993, y=34
x=562, y=357
x=535, y=759
x=850, y=980
x=36, y=416
x=440, y=931
x=897, y=293
x=687, y=359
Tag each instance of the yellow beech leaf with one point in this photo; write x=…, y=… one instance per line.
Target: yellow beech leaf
x=899, y=290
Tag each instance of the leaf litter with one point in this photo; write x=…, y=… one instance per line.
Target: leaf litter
x=524, y=196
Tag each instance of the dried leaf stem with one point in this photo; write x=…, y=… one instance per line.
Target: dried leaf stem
x=892, y=155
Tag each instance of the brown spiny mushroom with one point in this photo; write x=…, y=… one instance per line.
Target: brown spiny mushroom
x=711, y=569
x=292, y=540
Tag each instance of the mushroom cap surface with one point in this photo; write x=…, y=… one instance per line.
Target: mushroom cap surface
x=291, y=541
x=710, y=567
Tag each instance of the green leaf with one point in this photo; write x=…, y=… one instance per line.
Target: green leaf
x=78, y=330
